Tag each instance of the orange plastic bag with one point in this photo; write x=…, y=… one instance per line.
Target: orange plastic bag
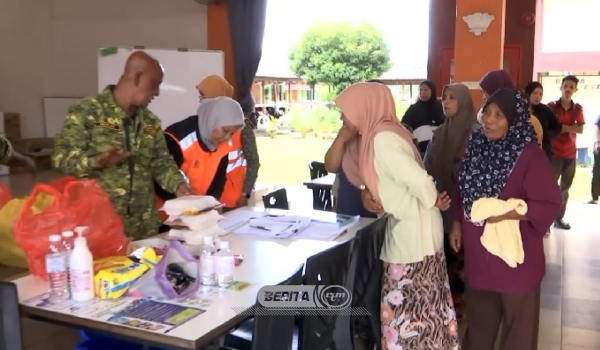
x=81, y=203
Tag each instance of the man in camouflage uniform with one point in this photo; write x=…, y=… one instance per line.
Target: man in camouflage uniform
x=113, y=138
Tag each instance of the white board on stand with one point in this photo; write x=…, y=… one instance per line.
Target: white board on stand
x=55, y=112
x=184, y=69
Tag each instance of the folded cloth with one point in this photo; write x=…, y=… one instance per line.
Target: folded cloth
x=503, y=239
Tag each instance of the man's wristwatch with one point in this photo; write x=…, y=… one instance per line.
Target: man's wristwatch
x=246, y=195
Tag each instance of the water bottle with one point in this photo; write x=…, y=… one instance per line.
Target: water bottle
x=224, y=265
x=68, y=241
x=56, y=268
x=207, y=262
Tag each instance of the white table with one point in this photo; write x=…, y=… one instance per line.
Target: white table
x=266, y=262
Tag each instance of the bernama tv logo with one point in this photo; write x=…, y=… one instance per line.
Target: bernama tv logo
x=306, y=300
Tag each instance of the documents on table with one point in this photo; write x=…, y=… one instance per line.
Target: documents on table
x=238, y=218
x=274, y=226
x=305, y=227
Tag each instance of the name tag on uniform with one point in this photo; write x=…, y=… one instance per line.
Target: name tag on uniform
x=107, y=125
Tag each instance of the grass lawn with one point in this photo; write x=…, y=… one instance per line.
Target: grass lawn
x=284, y=161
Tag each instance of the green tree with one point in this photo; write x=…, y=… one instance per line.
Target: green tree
x=340, y=54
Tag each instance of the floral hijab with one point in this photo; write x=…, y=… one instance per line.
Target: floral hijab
x=487, y=164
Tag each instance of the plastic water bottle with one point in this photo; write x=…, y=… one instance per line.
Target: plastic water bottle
x=207, y=262
x=224, y=265
x=68, y=241
x=56, y=268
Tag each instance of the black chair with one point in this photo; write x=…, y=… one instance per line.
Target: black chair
x=276, y=200
x=266, y=332
x=322, y=198
x=364, y=280
x=328, y=268
x=12, y=339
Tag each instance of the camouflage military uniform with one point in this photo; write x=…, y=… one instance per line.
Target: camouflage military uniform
x=6, y=150
x=94, y=126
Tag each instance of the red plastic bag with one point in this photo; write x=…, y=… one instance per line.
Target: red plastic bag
x=81, y=203
x=5, y=194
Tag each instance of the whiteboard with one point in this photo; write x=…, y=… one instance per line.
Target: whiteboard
x=184, y=69
x=55, y=112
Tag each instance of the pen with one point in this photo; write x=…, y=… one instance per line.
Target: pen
x=261, y=228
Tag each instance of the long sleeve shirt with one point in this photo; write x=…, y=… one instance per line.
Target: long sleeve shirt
x=95, y=125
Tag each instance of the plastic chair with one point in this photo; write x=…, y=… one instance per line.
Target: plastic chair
x=10, y=323
x=328, y=268
x=322, y=199
x=265, y=332
x=276, y=200
x=364, y=281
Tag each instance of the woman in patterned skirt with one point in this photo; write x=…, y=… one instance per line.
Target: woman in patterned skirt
x=417, y=311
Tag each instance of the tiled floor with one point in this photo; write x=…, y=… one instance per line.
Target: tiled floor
x=570, y=315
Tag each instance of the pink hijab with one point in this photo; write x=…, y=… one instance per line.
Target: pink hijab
x=370, y=108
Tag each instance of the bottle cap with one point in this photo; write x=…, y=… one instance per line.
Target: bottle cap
x=55, y=238
x=67, y=234
x=80, y=230
x=224, y=245
x=208, y=240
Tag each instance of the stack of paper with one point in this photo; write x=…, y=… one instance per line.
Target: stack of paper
x=274, y=226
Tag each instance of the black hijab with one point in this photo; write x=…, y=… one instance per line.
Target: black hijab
x=428, y=114
x=549, y=121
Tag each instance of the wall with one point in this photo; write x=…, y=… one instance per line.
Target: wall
x=49, y=47
x=560, y=50
x=442, y=19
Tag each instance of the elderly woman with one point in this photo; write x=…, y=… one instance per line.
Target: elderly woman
x=416, y=310
x=498, y=79
x=503, y=161
x=442, y=161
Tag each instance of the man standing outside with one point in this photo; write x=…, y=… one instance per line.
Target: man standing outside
x=596, y=166
x=564, y=146
x=113, y=138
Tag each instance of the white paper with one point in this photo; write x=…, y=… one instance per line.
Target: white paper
x=274, y=227
x=237, y=218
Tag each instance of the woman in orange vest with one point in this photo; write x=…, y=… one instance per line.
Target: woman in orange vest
x=202, y=146
x=244, y=161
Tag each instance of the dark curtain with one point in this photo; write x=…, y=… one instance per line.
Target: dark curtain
x=247, y=27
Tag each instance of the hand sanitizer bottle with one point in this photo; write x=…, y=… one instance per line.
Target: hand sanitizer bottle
x=81, y=266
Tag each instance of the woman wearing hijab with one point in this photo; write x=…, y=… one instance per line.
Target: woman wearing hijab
x=442, y=161
x=550, y=125
x=244, y=158
x=425, y=115
x=498, y=79
x=341, y=159
x=416, y=310
x=503, y=161
x=200, y=144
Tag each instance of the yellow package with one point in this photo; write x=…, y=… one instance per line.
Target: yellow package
x=146, y=255
x=113, y=283
x=111, y=262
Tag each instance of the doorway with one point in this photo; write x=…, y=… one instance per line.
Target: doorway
x=512, y=63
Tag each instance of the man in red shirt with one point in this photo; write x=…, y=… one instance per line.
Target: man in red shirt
x=564, y=148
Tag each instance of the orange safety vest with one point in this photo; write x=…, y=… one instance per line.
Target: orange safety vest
x=236, y=172
x=199, y=167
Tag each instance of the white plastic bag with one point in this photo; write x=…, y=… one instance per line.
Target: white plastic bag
x=195, y=222
x=193, y=237
x=189, y=205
